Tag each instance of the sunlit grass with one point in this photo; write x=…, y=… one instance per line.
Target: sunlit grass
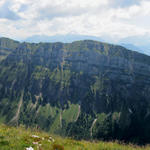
x=12, y=138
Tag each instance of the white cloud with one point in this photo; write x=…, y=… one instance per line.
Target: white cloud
x=116, y=19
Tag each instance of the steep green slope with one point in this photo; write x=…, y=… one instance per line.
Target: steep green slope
x=85, y=89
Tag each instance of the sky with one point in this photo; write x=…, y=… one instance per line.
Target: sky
x=117, y=19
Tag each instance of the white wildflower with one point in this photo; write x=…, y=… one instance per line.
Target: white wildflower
x=51, y=139
x=35, y=136
x=29, y=148
x=35, y=143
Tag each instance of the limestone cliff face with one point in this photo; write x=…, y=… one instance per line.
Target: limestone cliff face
x=83, y=89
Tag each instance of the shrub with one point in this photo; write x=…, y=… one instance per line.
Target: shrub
x=58, y=147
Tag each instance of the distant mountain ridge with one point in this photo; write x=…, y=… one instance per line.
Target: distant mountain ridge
x=68, y=38
x=84, y=89
x=129, y=43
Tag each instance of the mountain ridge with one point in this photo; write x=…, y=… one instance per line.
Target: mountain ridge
x=84, y=89
x=134, y=43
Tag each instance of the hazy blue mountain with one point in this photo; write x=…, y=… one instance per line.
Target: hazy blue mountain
x=68, y=38
x=132, y=47
x=142, y=43
x=136, y=40
x=141, y=49
x=146, y=49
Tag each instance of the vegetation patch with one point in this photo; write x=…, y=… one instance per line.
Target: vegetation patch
x=19, y=138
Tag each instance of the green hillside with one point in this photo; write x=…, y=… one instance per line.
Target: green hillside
x=84, y=90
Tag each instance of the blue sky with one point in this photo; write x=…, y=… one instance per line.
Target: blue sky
x=124, y=3
x=117, y=19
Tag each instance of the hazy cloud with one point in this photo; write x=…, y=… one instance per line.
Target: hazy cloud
x=114, y=18
x=23, y=8
x=6, y=12
x=50, y=12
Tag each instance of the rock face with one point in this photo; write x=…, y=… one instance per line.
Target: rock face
x=6, y=47
x=85, y=89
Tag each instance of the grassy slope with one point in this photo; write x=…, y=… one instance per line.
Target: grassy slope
x=12, y=138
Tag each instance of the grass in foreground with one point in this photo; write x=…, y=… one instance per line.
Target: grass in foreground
x=12, y=138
